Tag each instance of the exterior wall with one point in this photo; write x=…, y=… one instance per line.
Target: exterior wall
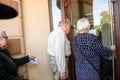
x=14, y=30
x=36, y=30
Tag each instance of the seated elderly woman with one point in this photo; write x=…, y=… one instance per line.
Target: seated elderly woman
x=9, y=65
x=86, y=49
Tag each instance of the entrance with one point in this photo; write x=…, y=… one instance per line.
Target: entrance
x=100, y=15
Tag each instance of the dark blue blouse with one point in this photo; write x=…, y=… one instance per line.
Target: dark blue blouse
x=91, y=48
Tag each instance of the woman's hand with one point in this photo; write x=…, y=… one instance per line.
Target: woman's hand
x=113, y=48
x=32, y=57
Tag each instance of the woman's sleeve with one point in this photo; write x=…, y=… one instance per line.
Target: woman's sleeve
x=100, y=49
x=22, y=60
x=4, y=75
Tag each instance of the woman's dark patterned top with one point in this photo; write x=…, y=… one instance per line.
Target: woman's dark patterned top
x=88, y=45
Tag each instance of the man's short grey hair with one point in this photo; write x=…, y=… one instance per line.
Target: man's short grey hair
x=82, y=24
x=64, y=21
x=2, y=33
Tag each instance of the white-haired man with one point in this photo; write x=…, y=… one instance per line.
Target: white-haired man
x=59, y=49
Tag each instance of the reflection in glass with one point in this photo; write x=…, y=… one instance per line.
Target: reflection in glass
x=81, y=8
x=102, y=20
x=56, y=13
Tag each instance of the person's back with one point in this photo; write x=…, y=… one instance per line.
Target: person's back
x=86, y=49
x=51, y=40
x=59, y=49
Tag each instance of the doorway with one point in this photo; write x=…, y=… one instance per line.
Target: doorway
x=100, y=15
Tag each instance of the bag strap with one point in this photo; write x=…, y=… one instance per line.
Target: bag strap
x=90, y=63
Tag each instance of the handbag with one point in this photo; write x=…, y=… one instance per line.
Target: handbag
x=106, y=69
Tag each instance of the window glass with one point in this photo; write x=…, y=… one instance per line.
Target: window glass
x=56, y=13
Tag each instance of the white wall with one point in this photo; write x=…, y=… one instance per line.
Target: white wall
x=36, y=30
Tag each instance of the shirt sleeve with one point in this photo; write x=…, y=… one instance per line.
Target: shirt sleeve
x=22, y=60
x=68, y=48
x=60, y=52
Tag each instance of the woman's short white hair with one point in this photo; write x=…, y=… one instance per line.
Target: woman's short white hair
x=2, y=34
x=83, y=23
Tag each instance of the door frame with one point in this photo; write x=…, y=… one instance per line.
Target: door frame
x=116, y=10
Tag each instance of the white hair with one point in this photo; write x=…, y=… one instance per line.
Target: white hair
x=82, y=24
x=2, y=33
x=64, y=21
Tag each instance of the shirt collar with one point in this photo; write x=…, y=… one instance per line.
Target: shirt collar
x=59, y=28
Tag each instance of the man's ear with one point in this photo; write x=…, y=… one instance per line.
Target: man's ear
x=65, y=25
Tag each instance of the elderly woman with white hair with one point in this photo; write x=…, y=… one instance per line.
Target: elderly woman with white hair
x=9, y=65
x=85, y=47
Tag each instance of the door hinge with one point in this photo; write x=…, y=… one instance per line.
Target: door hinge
x=66, y=4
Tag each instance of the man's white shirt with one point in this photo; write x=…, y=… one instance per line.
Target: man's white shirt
x=59, y=46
